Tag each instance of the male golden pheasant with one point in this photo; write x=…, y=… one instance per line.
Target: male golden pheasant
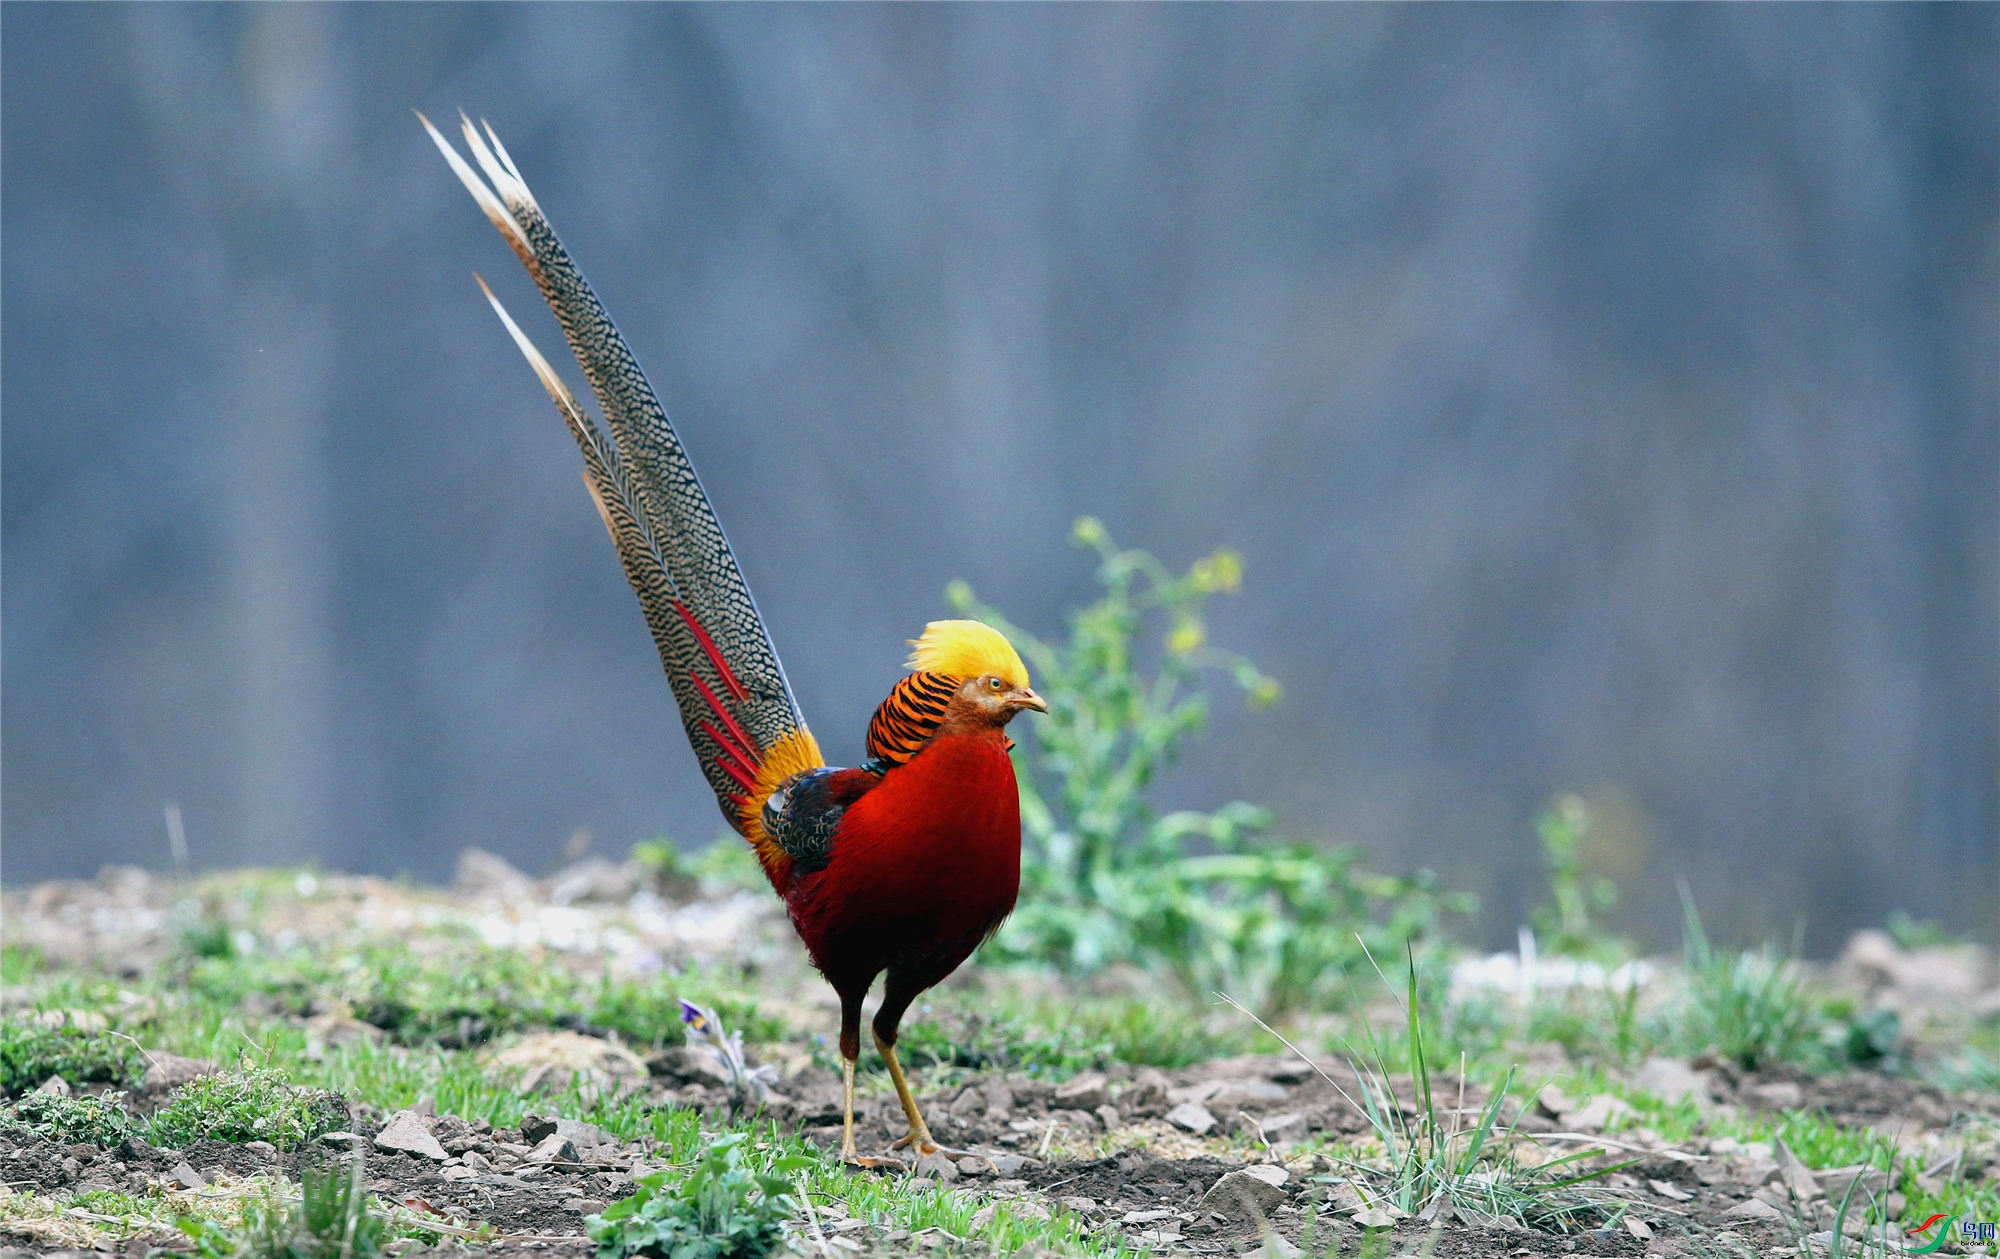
x=903, y=865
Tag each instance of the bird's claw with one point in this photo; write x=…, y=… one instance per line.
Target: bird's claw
x=873, y=1162
x=923, y=1146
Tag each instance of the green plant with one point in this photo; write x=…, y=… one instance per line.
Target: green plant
x=1432, y=1158
x=71, y=1120
x=201, y=932
x=1920, y=933
x=1207, y=898
x=722, y=1209
x=1565, y=926
x=247, y=1104
x=330, y=1219
x=32, y=1051
x=1750, y=1007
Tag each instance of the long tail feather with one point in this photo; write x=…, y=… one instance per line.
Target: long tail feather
x=735, y=703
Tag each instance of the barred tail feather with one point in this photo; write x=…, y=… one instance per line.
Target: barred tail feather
x=736, y=705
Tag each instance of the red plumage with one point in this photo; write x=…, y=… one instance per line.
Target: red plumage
x=924, y=866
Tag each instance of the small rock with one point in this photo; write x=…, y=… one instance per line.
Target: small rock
x=406, y=1131
x=1670, y=1080
x=974, y=1165
x=554, y=1062
x=55, y=1085
x=1192, y=1116
x=1144, y=1217
x=935, y=1167
x=1148, y=1091
x=1671, y=1191
x=1248, y=1192
x=1287, y=1126
x=185, y=1177
x=1554, y=1102
x=1946, y=974
x=538, y=1128
x=968, y=1105
x=1276, y=1247
x=595, y=879
x=1008, y=1165
x=1778, y=1095
x=1638, y=1228
x=1079, y=1203
x=984, y=1216
x=1384, y=1216
x=1754, y=1209
x=1200, y=1091
x=685, y=1064
x=1835, y=1182
x=1796, y=1175
x=553, y=1148
x=1077, y=1120
x=262, y=1149
x=480, y=873
x=1086, y=1091
x=1237, y=1094
x=1597, y=1114
x=137, y=1149
x=349, y=1139
x=460, y=1172
x=999, y=1099
x=1107, y=1115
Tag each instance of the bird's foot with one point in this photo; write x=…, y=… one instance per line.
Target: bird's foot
x=853, y=1157
x=921, y=1144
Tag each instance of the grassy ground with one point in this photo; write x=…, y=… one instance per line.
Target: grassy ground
x=1442, y=1106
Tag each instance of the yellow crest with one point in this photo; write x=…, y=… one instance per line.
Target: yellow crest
x=967, y=649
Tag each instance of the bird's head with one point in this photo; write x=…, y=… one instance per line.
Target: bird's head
x=992, y=681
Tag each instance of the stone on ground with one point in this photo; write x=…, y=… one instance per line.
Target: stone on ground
x=1248, y=1192
x=407, y=1132
x=1192, y=1116
x=552, y=1062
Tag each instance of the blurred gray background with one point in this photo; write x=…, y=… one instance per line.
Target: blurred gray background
x=1603, y=399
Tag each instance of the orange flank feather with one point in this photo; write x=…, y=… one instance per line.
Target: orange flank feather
x=795, y=754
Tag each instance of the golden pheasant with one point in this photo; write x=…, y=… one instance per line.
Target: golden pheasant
x=899, y=867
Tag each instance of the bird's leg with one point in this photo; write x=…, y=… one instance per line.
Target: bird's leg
x=850, y=1052
x=901, y=989
x=919, y=1136
x=848, y=1151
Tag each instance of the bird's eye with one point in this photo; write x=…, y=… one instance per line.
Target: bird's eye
x=994, y=684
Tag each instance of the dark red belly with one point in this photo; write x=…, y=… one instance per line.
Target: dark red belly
x=923, y=868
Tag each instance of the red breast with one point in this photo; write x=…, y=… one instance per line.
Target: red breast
x=929, y=860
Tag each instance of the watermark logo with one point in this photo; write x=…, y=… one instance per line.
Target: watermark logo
x=1965, y=1230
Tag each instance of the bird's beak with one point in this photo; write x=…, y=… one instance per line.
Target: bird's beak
x=1026, y=698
